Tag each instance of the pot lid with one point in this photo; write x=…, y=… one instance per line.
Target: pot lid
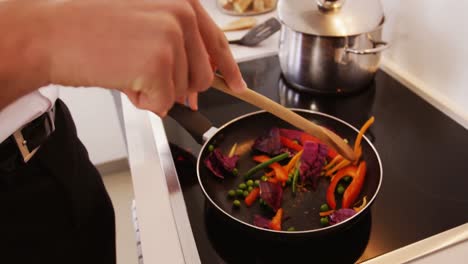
x=331, y=17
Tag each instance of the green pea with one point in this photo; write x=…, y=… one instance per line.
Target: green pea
x=210, y=148
x=239, y=192
x=235, y=172
x=324, y=221
x=250, y=188
x=242, y=186
x=340, y=189
x=236, y=203
x=246, y=193
x=257, y=183
x=250, y=183
x=291, y=228
x=324, y=208
x=347, y=179
x=232, y=193
x=264, y=178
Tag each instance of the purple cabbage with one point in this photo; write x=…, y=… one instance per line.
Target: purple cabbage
x=340, y=215
x=312, y=161
x=291, y=133
x=220, y=164
x=261, y=221
x=272, y=194
x=269, y=144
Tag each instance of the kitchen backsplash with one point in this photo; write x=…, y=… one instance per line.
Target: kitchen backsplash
x=429, y=40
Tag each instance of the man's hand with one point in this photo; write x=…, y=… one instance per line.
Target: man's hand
x=154, y=51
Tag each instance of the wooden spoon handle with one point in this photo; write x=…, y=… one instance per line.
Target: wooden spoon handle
x=254, y=98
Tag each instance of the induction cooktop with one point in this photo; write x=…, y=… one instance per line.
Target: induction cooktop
x=424, y=173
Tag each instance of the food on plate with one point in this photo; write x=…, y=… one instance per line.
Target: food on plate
x=247, y=6
x=240, y=24
x=288, y=158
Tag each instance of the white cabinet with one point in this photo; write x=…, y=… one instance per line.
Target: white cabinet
x=97, y=122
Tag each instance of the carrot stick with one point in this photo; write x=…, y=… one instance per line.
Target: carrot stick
x=327, y=213
x=276, y=221
x=336, y=159
x=359, y=208
x=293, y=161
x=363, y=130
x=339, y=166
x=253, y=195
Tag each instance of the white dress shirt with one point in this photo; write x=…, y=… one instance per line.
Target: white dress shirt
x=26, y=109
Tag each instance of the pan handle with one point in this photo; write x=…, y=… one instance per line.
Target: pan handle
x=193, y=121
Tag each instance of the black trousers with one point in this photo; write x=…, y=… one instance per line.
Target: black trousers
x=55, y=208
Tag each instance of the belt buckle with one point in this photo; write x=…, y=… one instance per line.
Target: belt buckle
x=23, y=146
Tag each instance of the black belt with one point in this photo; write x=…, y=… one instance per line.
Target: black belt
x=25, y=141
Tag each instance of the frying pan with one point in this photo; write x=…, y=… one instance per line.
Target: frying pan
x=300, y=211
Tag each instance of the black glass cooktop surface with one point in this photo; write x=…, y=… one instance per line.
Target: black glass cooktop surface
x=425, y=173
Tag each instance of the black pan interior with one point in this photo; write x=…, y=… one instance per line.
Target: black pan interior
x=300, y=211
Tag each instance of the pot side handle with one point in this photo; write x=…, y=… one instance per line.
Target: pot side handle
x=380, y=46
x=193, y=121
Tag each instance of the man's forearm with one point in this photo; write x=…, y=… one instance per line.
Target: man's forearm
x=23, y=55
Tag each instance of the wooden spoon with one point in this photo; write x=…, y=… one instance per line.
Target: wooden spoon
x=256, y=99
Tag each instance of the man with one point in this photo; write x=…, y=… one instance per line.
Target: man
x=54, y=207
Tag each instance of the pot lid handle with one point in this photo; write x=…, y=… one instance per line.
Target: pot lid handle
x=331, y=18
x=329, y=5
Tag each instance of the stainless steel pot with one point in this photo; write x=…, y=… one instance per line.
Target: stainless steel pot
x=328, y=47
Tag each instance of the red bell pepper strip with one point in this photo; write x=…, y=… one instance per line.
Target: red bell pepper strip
x=352, y=192
x=253, y=195
x=275, y=223
x=290, y=144
x=273, y=180
x=306, y=137
x=280, y=173
x=351, y=171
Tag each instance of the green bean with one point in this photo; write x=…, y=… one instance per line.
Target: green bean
x=294, y=180
x=266, y=164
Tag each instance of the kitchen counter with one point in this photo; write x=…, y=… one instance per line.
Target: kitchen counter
x=166, y=234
